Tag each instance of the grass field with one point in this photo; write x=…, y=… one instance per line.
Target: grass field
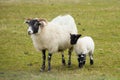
x=97, y=18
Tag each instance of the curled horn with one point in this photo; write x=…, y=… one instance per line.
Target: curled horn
x=43, y=21
x=27, y=20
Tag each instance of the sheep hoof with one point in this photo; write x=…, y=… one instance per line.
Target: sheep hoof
x=41, y=70
x=63, y=62
x=83, y=62
x=69, y=64
x=91, y=62
x=80, y=65
x=49, y=69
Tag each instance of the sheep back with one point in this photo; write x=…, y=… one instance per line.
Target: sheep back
x=84, y=45
x=53, y=37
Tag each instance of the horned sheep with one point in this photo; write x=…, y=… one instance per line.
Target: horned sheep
x=52, y=36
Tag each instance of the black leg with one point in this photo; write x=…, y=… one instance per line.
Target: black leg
x=49, y=61
x=91, y=58
x=84, y=59
x=69, y=60
x=78, y=60
x=81, y=60
x=80, y=63
x=69, y=54
x=91, y=61
x=63, y=60
x=44, y=58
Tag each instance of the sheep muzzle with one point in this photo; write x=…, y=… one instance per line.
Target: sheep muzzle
x=29, y=33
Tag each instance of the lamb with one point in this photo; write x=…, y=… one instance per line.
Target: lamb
x=82, y=47
x=52, y=36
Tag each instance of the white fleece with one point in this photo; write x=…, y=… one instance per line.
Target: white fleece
x=55, y=36
x=84, y=45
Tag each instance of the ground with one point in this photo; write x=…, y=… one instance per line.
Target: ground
x=99, y=19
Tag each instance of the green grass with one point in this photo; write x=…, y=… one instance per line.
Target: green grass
x=99, y=19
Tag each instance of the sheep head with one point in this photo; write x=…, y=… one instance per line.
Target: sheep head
x=74, y=38
x=35, y=25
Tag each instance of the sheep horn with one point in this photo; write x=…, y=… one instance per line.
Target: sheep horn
x=27, y=20
x=44, y=21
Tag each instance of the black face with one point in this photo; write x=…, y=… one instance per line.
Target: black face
x=34, y=24
x=74, y=38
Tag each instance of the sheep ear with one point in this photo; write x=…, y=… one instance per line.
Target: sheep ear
x=42, y=22
x=27, y=20
x=79, y=35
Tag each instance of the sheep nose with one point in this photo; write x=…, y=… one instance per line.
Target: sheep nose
x=29, y=32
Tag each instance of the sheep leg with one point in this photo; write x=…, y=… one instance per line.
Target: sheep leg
x=84, y=60
x=69, y=61
x=81, y=60
x=63, y=59
x=49, y=61
x=91, y=58
x=80, y=64
x=69, y=53
x=44, y=58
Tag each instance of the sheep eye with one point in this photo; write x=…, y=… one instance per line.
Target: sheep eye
x=39, y=23
x=36, y=24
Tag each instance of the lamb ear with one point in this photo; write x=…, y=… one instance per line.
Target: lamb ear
x=43, y=22
x=79, y=35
